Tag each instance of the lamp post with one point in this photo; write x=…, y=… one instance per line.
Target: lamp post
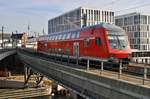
x=2, y=36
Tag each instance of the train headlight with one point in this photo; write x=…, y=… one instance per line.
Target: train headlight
x=114, y=60
x=130, y=56
x=111, y=58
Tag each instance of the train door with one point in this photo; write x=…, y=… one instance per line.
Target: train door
x=76, y=49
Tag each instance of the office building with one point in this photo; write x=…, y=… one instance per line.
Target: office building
x=137, y=25
x=79, y=18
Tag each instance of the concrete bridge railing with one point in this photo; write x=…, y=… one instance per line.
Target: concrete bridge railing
x=84, y=83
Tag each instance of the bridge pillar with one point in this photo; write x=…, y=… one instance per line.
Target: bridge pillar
x=120, y=69
x=88, y=64
x=27, y=75
x=54, y=87
x=39, y=79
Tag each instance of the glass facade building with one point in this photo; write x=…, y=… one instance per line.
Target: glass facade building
x=137, y=25
x=79, y=18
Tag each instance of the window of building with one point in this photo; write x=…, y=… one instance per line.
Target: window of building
x=147, y=28
x=137, y=19
x=148, y=19
x=144, y=19
x=147, y=41
x=125, y=21
x=82, y=11
x=136, y=46
x=112, y=13
x=138, y=28
x=136, y=34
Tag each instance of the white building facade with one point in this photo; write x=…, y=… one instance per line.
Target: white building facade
x=137, y=25
x=79, y=18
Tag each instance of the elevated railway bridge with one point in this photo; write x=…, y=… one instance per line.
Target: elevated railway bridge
x=88, y=82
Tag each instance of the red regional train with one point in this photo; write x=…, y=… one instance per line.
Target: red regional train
x=103, y=41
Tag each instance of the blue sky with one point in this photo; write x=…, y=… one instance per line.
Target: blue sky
x=17, y=14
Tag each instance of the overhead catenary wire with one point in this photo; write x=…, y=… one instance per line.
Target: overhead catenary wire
x=138, y=6
x=111, y=3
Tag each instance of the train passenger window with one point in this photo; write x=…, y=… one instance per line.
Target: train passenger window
x=86, y=42
x=98, y=41
x=52, y=37
x=63, y=36
x=78, y=34
x=49, y=38
x=55, y=37
x=60, y=37
x=73, y=35
x=68, y=35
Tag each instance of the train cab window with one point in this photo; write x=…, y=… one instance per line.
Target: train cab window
x=98, y=41
x=86, y=42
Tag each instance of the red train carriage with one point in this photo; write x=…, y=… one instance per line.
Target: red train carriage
x=103, y=41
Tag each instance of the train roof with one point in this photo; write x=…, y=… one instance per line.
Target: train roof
x=110, y=27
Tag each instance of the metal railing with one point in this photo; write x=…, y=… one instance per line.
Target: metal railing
x=120, y=74
x=124, y=73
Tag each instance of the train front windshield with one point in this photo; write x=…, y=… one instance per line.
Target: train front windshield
x=117, y=40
